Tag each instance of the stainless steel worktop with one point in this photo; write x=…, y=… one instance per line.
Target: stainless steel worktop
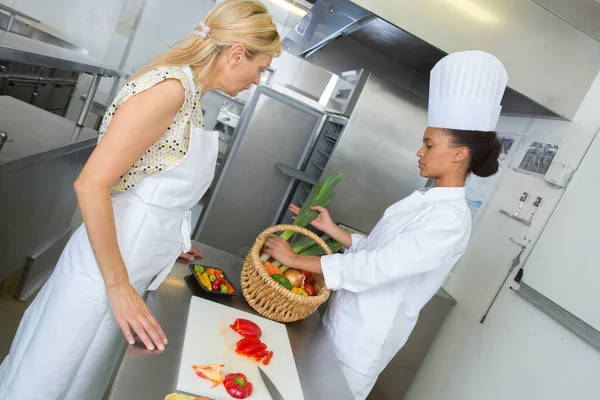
x=148, y=375
x=37, y=135
x=14, y=47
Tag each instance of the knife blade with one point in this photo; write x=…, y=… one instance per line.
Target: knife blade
x=275, y=394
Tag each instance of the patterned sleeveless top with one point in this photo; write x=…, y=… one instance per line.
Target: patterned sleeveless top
x=173, y=144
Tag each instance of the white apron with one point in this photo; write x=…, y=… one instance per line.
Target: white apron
x=68, y=342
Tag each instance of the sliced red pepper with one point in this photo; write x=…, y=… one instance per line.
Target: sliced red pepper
x=246, y=328
x=245, y=342
x=267, y=358
x=255, y=348
x=240, y=352
x=261, y=355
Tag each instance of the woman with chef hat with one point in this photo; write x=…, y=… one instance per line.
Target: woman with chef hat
x=383, y=280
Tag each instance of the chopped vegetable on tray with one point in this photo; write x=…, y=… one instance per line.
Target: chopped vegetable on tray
x=213, y=280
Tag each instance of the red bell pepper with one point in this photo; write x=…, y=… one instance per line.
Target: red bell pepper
x=237, y=386
x=217, y=284
x=246, y=328
x=308, y=278
x=308, y=288
x=267, y=358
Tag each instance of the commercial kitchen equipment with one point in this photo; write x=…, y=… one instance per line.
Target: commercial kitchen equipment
x=285, y=142
x=402, y=40
x=249, y=194
x=45, y=75
x=38, y=166
x=43, y=154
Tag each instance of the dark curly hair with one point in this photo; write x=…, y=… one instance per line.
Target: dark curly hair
x=484, y=147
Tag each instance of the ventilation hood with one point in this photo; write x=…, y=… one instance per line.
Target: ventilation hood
x=340, y=35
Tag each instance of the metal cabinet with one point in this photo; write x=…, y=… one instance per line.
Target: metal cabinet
x=50, y=89
x=21, y=89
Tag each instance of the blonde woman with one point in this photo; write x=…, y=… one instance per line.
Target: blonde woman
x=153, y=162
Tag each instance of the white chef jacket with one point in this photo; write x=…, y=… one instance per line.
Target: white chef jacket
x=382, y=282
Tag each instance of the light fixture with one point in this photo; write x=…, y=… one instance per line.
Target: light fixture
x=291, y=7
x=328, y=92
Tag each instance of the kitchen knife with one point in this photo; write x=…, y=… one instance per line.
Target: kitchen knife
x=270, y=386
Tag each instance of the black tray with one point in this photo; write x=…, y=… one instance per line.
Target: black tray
x=191, y=266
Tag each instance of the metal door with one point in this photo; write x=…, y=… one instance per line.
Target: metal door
x=273, y=128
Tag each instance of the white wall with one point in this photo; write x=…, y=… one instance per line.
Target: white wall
x=518, y=353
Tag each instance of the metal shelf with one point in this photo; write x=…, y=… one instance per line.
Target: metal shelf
x=511, y=216
x=297, y=174
x=331, y=138
x=18, y=48
x=328, y=155
x=316, y=164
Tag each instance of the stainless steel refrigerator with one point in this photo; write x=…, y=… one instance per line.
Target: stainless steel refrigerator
x=274, y=138
x=377, y=150
x=370, y=131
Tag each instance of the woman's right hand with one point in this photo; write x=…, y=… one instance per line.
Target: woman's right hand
x=323, y=222
x=130, y=311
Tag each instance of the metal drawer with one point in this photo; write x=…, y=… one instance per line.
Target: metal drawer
x=61, y=96
x=41, y=96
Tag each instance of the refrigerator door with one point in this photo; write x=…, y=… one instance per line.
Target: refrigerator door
x=377, y=154
x=274, y=128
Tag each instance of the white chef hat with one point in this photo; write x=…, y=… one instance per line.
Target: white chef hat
x=465, y=90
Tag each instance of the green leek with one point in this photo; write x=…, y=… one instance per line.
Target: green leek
x=321, y=195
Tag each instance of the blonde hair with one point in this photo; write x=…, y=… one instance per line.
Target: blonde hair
x=232, y=21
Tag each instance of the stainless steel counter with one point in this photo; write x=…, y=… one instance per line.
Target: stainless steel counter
x=148, y=375
x=38, y=166
x=37, y=135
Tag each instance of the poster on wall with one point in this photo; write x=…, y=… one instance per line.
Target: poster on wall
x=538, y=157
x=478, y=189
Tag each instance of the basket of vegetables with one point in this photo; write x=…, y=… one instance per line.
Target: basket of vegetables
x=289, y=295
x=282, y=296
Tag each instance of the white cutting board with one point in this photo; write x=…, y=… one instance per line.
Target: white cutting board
x=209, y=340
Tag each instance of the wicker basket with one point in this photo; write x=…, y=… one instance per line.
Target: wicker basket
x=269, y=298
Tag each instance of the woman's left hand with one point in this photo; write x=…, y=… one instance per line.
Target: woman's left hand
x=280, y=250
x=192, y=255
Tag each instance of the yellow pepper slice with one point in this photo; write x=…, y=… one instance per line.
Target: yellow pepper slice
x=204, y=280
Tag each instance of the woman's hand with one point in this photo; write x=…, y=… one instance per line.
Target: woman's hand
x=130, y=311
x=280, y=250
x=323, y=222
x=192, y=255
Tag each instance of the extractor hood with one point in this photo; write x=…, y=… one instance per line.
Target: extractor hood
x=340, y=35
